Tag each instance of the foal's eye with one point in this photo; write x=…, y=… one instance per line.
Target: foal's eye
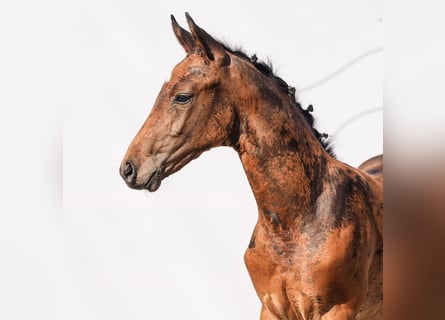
x=183, y=98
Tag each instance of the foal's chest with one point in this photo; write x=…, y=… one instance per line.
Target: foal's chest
x=301, y=275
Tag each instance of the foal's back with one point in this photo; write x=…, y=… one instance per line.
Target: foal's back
x=373, y=166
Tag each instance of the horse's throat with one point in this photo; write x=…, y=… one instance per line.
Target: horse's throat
x=286, y=181
x=284, y=162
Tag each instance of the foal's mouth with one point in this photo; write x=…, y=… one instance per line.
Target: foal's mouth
x=154, y=181
x=166, y=169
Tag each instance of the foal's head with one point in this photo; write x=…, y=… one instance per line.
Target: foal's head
x=192, y=113
x=209, y=94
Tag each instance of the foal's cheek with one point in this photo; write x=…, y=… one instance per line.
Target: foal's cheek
x=177, y=121
x=216, y=130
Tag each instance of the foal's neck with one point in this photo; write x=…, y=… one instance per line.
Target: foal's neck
x=284, y=162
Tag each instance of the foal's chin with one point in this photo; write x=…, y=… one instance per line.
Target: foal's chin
x=153, y=171
x=154, y=181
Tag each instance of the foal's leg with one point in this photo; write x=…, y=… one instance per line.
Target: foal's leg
x=348, y=310
x=266, y=314
x=340, y=312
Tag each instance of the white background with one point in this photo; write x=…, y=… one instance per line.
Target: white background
x=176, y=253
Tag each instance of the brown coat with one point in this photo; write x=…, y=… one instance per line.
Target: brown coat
x=317, y=248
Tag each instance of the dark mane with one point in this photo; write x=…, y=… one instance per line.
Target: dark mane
x=267, y=70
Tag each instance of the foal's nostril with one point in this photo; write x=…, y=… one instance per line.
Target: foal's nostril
x=129, y=171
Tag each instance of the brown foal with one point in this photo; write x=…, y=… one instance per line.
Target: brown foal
x=317, y=249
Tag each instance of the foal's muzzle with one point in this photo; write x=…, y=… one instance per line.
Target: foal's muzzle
x=149, y=177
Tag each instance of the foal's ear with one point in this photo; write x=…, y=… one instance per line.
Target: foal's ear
x=184, y=37
x=212, y=48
